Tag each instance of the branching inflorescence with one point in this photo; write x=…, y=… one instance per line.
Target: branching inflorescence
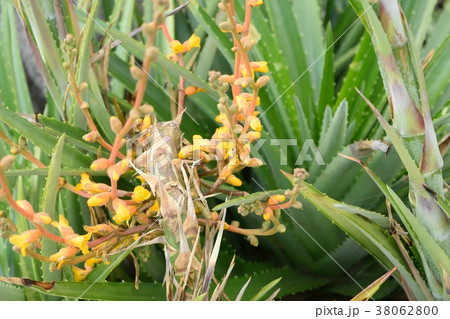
x=145, y=213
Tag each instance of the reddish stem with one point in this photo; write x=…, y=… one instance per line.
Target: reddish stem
x=166, y=32
x=248, y=16
x=24, y=213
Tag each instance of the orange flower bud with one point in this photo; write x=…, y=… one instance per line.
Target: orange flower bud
x=254, y=162
x=191, y=90
x=42, y=218
x=6, y=162
x=226, y=78
x=26, y=206
x=116, y=124
x=91, y=137
x=262, y=81
x=276, y=199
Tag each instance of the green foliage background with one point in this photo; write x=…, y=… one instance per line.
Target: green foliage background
x=318, y=52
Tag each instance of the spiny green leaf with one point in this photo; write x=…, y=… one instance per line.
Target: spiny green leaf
x=368, y=292
x=366, y=233
x=108, y=291
x=264, y=290
x=71, y=156
x=50, y=194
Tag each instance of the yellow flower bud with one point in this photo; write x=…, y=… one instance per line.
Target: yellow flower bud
x=254, y=162
x=268, y=213
x=99, y=199
x=260, y=66
x=254, y=123
x=233, y=181
x=100, y=164
x=255, y=3
x=146, y=123
x=239, y=28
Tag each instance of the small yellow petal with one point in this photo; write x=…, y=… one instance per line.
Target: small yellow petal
x=176, y=46
x=193, y=42
x=154, y=208
x=121, y=210
x=79, y=274
x=254, y=123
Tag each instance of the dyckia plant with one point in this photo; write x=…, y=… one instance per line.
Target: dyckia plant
x=169, y=205
x=167, y=122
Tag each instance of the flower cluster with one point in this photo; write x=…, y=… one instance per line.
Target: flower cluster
x=136, y=209
x=230, y=145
